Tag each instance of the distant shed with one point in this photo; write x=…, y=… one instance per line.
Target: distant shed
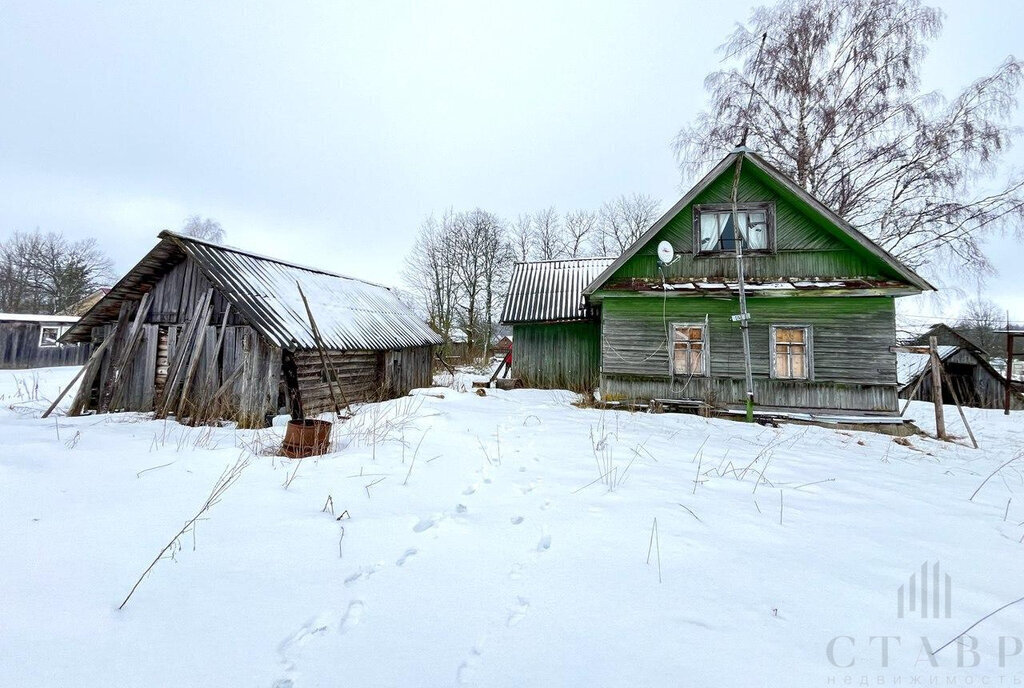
x=970, y=375
x=226, y=327
x=29, y=340
x=556, y=337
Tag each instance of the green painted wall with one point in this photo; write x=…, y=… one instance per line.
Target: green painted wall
x=558, y=355
x=806, y=245
x=853, y=367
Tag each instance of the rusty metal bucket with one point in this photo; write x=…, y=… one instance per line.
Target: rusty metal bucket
x=304, y=438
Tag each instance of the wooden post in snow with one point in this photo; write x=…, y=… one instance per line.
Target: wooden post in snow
x=936, y=366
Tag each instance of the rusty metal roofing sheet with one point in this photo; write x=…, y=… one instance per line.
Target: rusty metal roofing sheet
x=551, y=290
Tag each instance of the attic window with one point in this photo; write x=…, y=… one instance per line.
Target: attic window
x=714, y=230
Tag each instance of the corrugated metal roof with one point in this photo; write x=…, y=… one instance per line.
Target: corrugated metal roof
x=551, y=290
x=350, y=313
x=909, y=364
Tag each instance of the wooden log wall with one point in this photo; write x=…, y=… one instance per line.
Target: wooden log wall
x=364, y=376
x=19, y=348
x=359, y=373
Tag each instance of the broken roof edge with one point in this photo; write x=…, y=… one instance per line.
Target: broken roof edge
x=780, y=177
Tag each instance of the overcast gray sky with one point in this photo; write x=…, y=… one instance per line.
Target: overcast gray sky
x=324, y=132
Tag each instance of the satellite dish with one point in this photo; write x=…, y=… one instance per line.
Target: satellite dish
x=665, y=252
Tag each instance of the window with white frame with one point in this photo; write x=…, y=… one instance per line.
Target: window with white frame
x=48, y=336
x=689, y=349
x=716, y=232
x=791, y=352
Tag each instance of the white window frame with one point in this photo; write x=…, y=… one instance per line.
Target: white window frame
x=767, y=208
x=60, y=333
x=808, y=350
x=705, y=352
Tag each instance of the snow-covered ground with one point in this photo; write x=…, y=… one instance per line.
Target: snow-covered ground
x=479, y=545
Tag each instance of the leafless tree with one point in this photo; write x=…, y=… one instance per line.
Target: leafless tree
x=430, y=272
x=835, y=101
x=580, y=228
x=980, y=321
x=623, y=220
x=547, y=229
x=48, y=273
x=459, y=269
x=206, y=229
x=521, y=237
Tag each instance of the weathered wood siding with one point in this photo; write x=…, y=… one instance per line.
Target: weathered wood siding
x=805, y=247
x=557, y=355
x=19, y=348
x=974, y=383
x=408, y=369
x=853, y=367
x=363, y=375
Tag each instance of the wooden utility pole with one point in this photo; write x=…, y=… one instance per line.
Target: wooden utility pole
x=1008, y=392
x=936, y=366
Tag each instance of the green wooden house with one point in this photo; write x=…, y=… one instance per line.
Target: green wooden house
x=820, y=297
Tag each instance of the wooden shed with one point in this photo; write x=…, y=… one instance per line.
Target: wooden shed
x=28, y=340
x=197, y=329
x=556, y=336
x=973, y=379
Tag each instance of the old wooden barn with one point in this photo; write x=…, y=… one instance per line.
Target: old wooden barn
x=820, y=297
x=965, y=369
x=28, y=340
x=201, y=330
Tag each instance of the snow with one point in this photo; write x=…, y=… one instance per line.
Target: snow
x=910, y=365
x=33, y=317
x=481, y=547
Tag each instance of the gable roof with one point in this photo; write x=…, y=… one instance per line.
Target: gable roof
x=551, y=290
x=350, y=313
x=939, y=329
x=790, y=186
x=910, y=364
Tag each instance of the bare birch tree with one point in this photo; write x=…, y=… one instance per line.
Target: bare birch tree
x=623, y=220
x=206, y=229
x=837, y=104
x=580, y=228
x=521, y=237
x=547, y=231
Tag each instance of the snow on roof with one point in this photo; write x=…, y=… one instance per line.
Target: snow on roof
x=34, y=317
x=551, y=290
x=349, y=313
x=910, y=365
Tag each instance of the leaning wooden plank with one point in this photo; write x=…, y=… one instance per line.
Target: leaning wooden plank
x=193, y=364
x=323, y=356
x=211, y=410
x=329, y=371
x=956, y=398
x=183, y=349
x=90, y=365
x=114, y=389
x=110, y=374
